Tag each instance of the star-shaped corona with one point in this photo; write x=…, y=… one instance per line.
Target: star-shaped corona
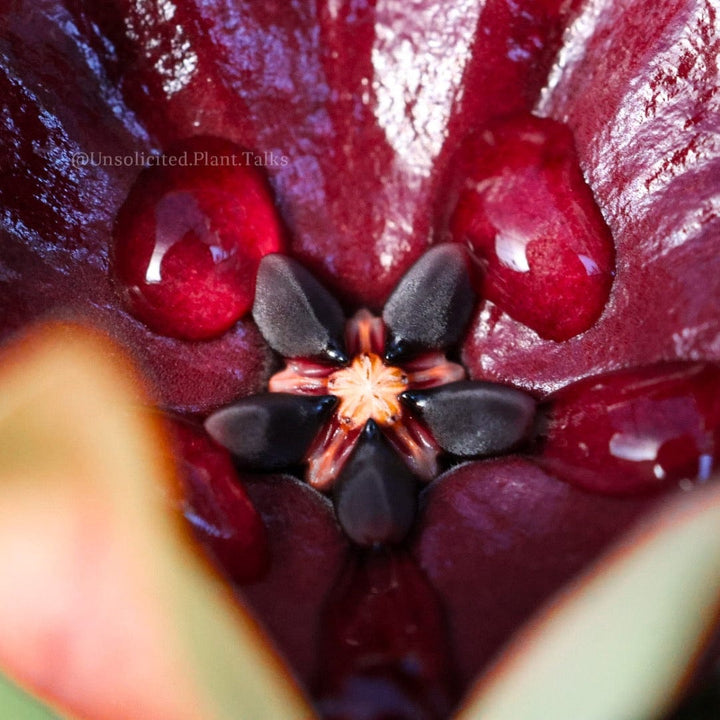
x=368, y=405
x=368, y=388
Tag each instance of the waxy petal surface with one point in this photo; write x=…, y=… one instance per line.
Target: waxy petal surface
x=384, y=638
x=499, y=537
x=357, y=97
x=638, y=84
x=368, y=124
x=307, y=550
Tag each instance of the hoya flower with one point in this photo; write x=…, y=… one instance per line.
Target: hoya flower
x=570, y=147
x=356, y=400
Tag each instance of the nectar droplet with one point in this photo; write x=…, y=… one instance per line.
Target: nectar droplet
x=190, y=236
x=637, y=430
x=531, y=222
x=215, y=505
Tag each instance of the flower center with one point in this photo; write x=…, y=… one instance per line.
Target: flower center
x=368, y=389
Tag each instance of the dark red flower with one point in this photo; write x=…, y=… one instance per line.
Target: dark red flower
x=370, y=103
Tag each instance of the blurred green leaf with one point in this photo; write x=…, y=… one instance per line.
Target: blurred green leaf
x=617, y=646
x=16, y=704
x=107, y=604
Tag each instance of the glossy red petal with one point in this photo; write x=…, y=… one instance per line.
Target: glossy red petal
x=637, y=83
x=499, y=538
x=356, y=98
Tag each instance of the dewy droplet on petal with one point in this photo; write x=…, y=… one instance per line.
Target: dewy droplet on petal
x=189, y=238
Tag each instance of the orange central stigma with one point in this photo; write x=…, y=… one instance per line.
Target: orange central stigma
x=368, y=389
